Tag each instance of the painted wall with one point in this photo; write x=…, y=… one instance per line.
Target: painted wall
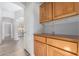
x=68, y=26
x=6, y=13
x=29, y=27
x=0, y=24
x=38, y=28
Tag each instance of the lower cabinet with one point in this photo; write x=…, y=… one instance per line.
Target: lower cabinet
x=52, y=51
x=52, y=47
x=40, y=49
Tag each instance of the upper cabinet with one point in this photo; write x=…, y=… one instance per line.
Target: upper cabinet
x=58, y=9
x=63, y=9
x=46, y=12
x=42, y=13
x=77, y=7
x=55, y=10
x=49, y=11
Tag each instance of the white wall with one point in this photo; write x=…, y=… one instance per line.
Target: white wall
x=29, y=27
x=0, y=24
x=6, y=13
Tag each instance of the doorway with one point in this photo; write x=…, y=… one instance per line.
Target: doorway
x=7, y=31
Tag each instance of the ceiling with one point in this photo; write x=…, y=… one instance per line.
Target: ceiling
x=10, y=6
x=26, y=3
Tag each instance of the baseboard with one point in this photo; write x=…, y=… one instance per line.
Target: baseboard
x=27, y=52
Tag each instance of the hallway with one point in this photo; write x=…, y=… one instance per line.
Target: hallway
x=11, y=47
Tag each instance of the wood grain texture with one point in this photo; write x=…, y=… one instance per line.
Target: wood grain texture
x=77, y=7
x=69, y=46
x=41, y=39
x=43, y=12
x=46, y=12
x=63, y=9
x=51, y=51
x=57, y=45
x=55, y=10
x=40, y=49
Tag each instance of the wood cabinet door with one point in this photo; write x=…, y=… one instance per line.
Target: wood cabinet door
x=40, y=49
x=58, y=9
x=51, y=51
x=49, y=11
x=36, y=48
x=66, y=45
x=40, y=38
x=69, y=7
x=63, y=9
x=77, y=7
x=42, y=12
x=46, y=12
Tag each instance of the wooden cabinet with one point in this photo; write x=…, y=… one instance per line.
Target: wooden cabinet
x=47, y=46
x=43, y=13
x=52, y=51
x=46, y=12
x=35, y=48
x=40, y=49
x=69, y=7
x=49, y=11
x=77, y=7
x=63, y=9
x=40, y=38
x=40, y=46
x=66, y=45
x=56, y=10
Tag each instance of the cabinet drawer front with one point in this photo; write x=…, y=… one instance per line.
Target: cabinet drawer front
x=51, y=51
x=41, y=39
x=40, y=49
x=68, y=46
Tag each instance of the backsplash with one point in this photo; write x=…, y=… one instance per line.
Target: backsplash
x=68, y=26
x=49, y=27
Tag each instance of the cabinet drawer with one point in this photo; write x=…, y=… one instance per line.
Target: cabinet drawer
x=41, y=39
x=68, y=46
x=51, y=51
x=40, y=49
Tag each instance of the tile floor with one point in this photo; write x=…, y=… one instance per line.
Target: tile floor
x=12, y=47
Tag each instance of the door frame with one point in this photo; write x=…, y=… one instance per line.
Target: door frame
x=3, y=29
